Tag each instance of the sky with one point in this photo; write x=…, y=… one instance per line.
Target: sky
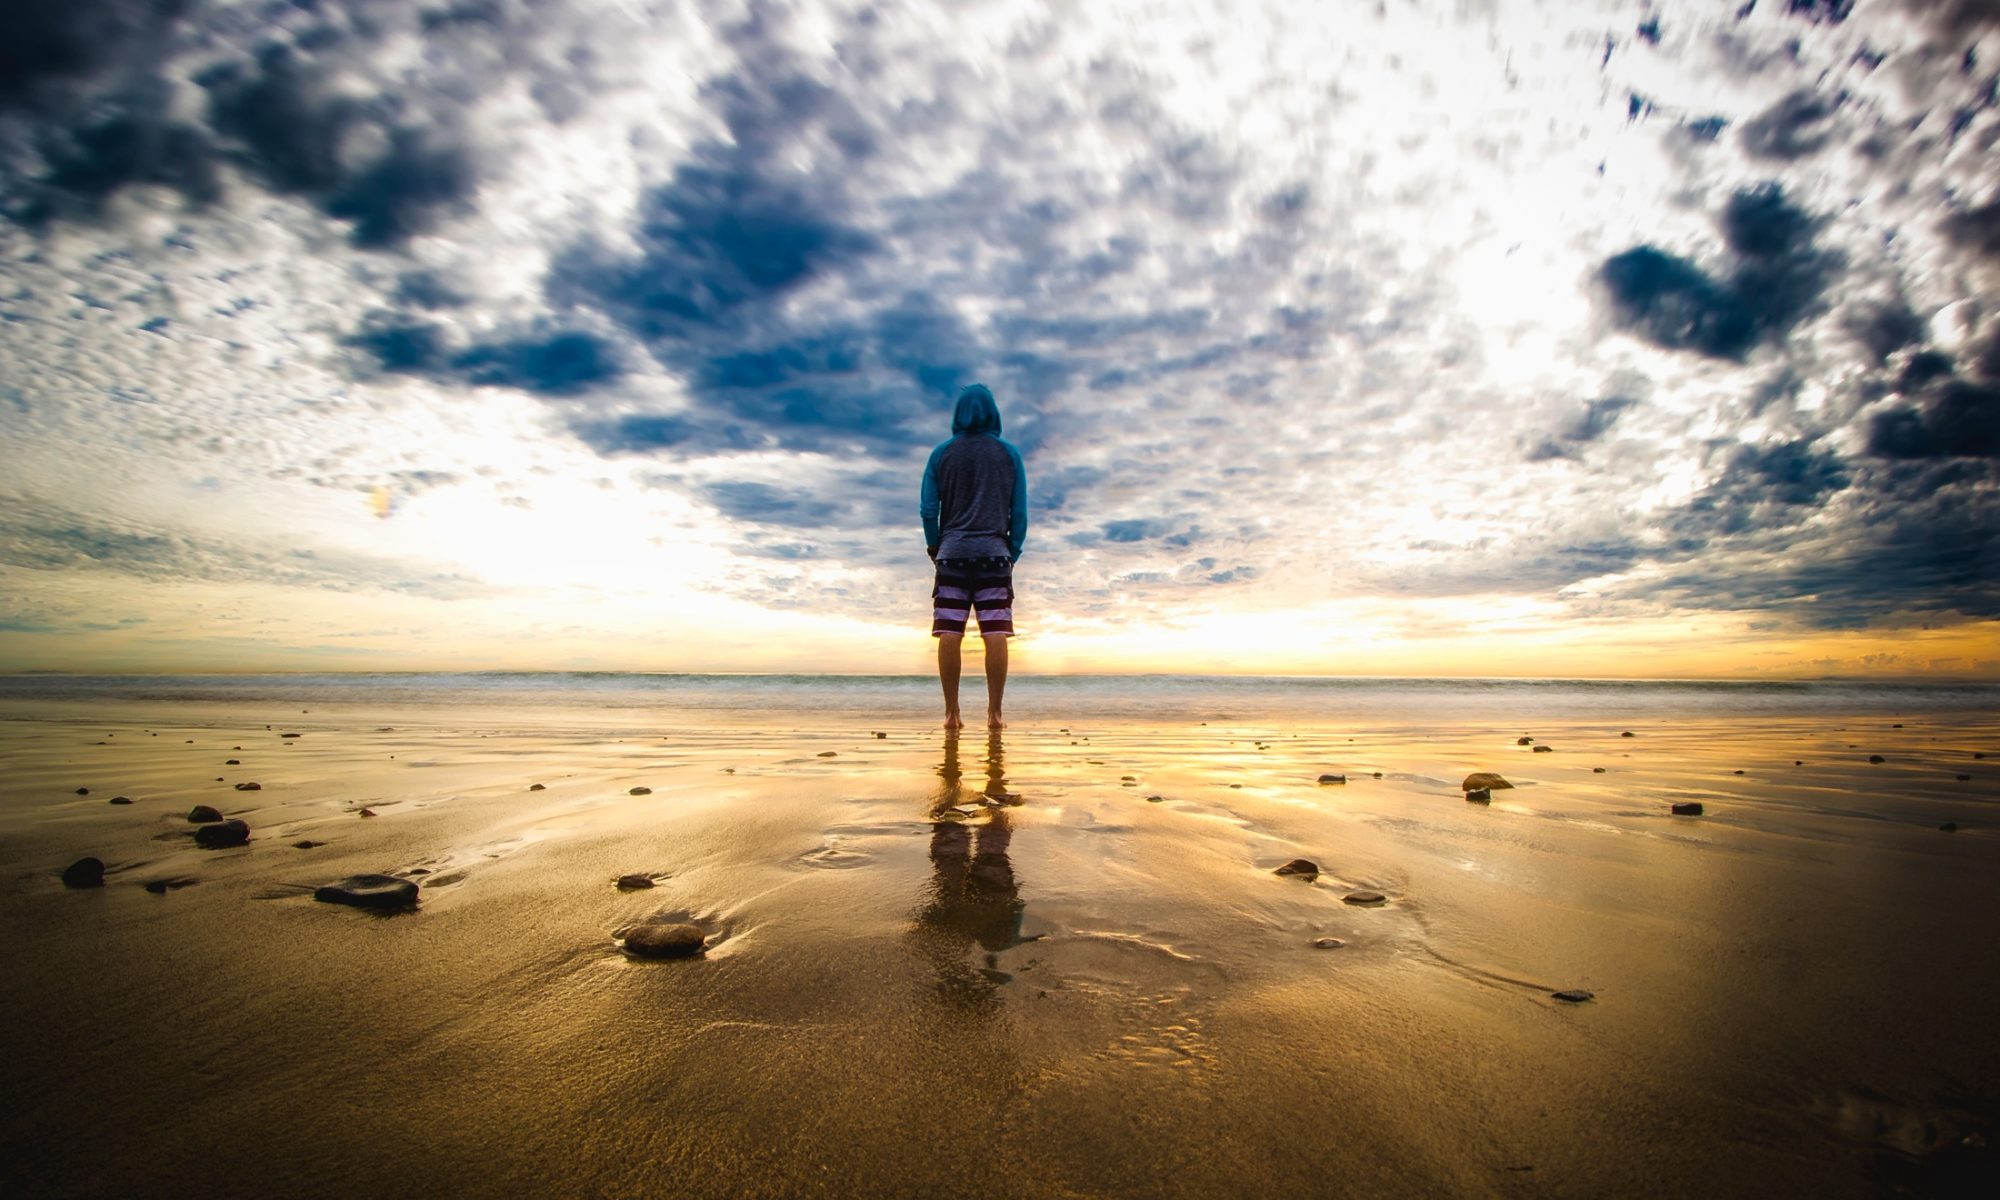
x=1401, y=338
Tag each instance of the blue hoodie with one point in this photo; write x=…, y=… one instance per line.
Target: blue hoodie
x=974, y=500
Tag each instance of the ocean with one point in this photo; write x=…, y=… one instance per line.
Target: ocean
x=1314, y=699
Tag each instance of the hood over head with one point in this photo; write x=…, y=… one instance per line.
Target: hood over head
x=977, y=412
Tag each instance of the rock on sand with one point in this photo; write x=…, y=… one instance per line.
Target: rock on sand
x=249, y=787
x=224, y=834
x=1305, y=868
x=1687, y=808
x=664, y=941
x=1327, y=943
x=202, y=814
x=1574, y=995
x=1483, y=779
x=1480, y=795
x=369, y=891
x=1364, y=898
x=627, y=883
x=83, y=873
x=1333, y=779
x=640, y=791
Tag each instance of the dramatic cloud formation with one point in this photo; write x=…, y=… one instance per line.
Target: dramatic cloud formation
x=1449, y=337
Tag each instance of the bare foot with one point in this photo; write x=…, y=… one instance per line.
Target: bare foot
x=953, y=721
x=993, y=721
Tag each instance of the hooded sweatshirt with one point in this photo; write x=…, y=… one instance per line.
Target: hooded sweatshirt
x=974, y=501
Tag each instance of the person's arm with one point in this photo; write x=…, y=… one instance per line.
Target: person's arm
x=1017, y=522
x=927, y=506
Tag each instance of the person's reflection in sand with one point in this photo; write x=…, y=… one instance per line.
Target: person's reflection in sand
x=972, y=898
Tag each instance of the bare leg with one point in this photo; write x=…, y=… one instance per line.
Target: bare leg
x=996, y=677
x=948, y=663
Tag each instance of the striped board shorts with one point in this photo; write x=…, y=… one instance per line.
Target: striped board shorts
x=980, y=585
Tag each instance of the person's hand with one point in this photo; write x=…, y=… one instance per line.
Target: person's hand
x=932, y=551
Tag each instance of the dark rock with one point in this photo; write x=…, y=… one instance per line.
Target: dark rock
x=83, y=791
x=83, y=873
x=536, y=787
x=1574, y=995
x=249, y=787
x=1129, y=778
x=1304, y=868
x=1545, y=749
x=367, y=812
x=160, y=887
x=227, y=833
x=232, y=762
x=369, y=891
x=1364, y=898
x=1480, y=795
x=880, y=734
x=828, y=753
x=1524, y=741
x=1628, y=733
x=128, y=799
x=1738, y=772
x=1597, y=770
x=1687, y=808
x=1876, y=758
x=1947, y=827
x=1483, y=779
x=1333, y=779
x=640, y=791
x=1898, y=725
x=1978, y=754
x=1327, y=943
x=307, y=844
x=1377, y=774
x=664, y=941
x=286, y=735
x=1154, y=799
x=1961, y=779
x=202, y=814
x=218, y=779
x=629, y=883
x=1236, y=785
x=1798, y=762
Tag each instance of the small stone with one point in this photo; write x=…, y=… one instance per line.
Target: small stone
x=1154, y=799
x=83, y=791
x=1739, y=772
x=1798, y=762
x=1327, y=943
x=880, y=735
x=1480, y=796
x=1305, y=868
x=218, y=779
x=1687, y=808
x=202, y=814
x=286, y=735
x=232, y=762
x=1364, y=898
x=632, y=883
x=536, y=787
x=1378, y=774
x=1483, y=779
x=308, y=844
x=1978, y=754
x=1545, y=749
x=664, y=941
x=1947, y=827
x=828, y=753
x=83, y=873
x=1898, y=725
x=1333, y=779
x=640, y=791
x=1876, y=758
x=367, y=812
x=1236, y=785
x=219, y=836
x=128, y=799
x=1597, y=770
x=369, y=891
x=249, y=787
x=1574, y=995
x=1524, y=741
x=1961, y=779
x=1628, y=733
x=160, y=887
x=1129, y=778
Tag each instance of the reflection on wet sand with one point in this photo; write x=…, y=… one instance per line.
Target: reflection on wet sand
x=971, y=897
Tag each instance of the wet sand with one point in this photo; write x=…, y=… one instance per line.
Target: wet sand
x=985, y=965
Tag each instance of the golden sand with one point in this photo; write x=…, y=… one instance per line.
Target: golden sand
x=991, y=965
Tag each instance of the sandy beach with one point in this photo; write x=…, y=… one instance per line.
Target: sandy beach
x=1049, y=962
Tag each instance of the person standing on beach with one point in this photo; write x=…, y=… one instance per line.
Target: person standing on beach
x=974, y=505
